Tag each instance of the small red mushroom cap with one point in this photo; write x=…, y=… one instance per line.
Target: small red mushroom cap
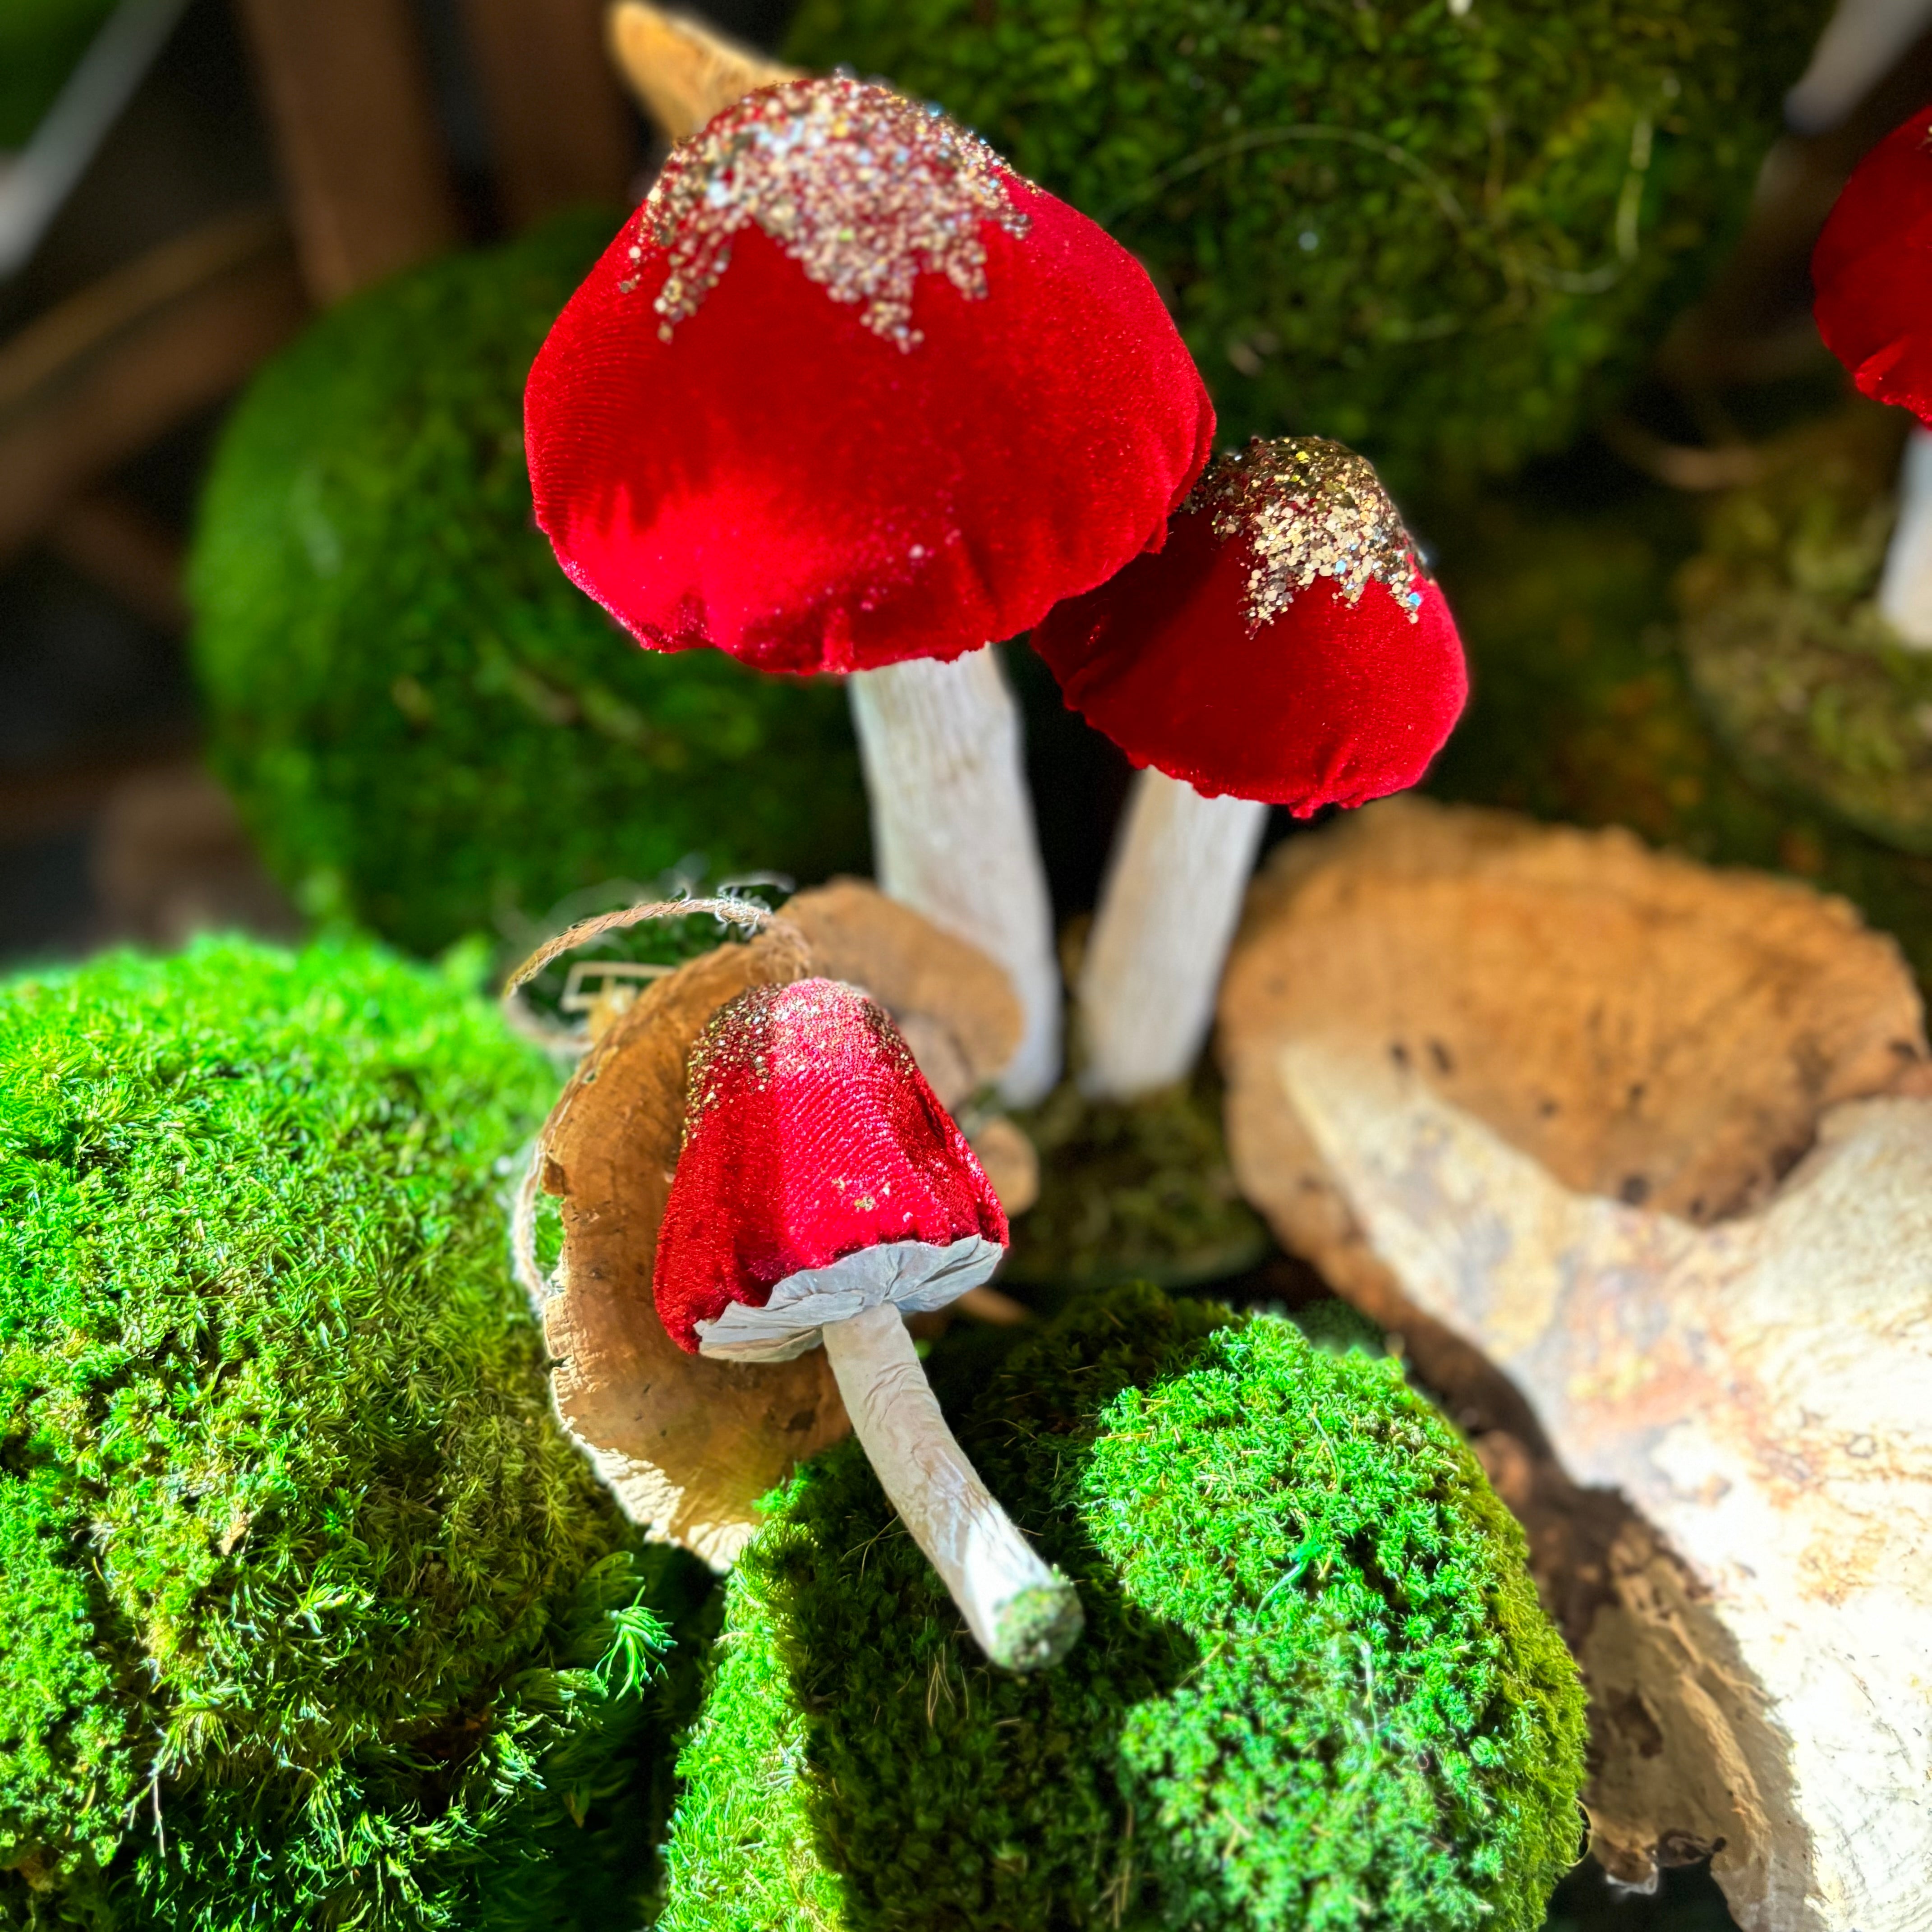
x=819, y=1175
x=847, y=391
x=1872, y=270
x=1285, y=645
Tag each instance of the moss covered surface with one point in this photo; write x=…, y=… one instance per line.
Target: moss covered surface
x=309, y=1614
x=1315, y=1689
x=1806, y=681
x=1583, y=708
x=1138, y=1190
x=39, y=42
x=1445, y=239
x=429, y=729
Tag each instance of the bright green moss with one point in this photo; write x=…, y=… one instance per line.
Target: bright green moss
x=309, y=1614
x=427, y=727
x=1315, y=1690
x=39, y=42
x=1446, y=240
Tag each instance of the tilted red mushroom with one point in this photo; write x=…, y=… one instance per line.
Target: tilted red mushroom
x=1872, y=270
x=1285, y=648
x=849, y=395
x=822, y=1194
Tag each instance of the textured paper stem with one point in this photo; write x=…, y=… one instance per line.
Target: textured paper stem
x=952, y=831
x=1023, y=1615
x=1160, y=938
x=1905, y=590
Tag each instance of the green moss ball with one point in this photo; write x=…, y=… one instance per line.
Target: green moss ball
x=310, y=1615
x=1446, y=238
x=427, y=727
x=1315, y=1690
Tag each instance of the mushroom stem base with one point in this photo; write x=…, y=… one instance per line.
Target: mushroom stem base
x=1905, y=590
x=952, y=830
x=1167, y=915
x=1023, y=1615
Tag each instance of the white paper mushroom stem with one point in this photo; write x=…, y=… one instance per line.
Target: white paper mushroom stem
x=1160, y=938
x=1021, y=1613
x=952, y=831
x=1905, y=588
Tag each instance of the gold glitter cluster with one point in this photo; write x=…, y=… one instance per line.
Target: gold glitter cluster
x=769, y=1031
x=864, y=189
x=1309, y=508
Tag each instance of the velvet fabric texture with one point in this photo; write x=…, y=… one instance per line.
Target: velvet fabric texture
x=1872, y=270
x=1330, y=702
x=810, y=1133
x=783, y=481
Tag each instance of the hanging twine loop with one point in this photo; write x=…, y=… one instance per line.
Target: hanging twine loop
x=547, y=1033
x=745, y=913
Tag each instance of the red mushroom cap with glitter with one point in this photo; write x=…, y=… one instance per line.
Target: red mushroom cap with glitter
x=848, y=390
x=1285, y=646
x=819, y=1176
x=1872, y=270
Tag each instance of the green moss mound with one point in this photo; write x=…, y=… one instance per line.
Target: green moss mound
x=310, y=1616
x=427, y=727
x=1446, y=240
x=1315, y=1690
x=39, y=42
x=1138, y=1190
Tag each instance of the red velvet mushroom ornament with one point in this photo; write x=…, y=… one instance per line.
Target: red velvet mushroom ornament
x=1872, y=273
x=822, y=1194
x=1285, y=648
x=849, y=395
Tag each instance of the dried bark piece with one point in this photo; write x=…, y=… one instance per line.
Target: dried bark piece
x=1757, y=1390
x=1449, y=1036
x=688, y=1444
x=682, y=71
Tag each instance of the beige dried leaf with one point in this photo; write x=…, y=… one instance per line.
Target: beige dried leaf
x=682, y=70
x=689, y=1444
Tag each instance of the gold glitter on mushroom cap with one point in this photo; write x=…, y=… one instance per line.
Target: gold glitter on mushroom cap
x=864, y=189
x=1309, y=508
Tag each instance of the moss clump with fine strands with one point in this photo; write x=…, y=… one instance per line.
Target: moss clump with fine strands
x=428, y=728
x=1135, y=1190
x=1315, y=1690
x=1583, y=707
x=1446, y=237
x=310, y=1615
x=1805, y=680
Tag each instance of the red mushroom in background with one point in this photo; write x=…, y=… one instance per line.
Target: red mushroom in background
x=821, y=1194
x=1872, y=273
x=1285, y=648
x=849, y=395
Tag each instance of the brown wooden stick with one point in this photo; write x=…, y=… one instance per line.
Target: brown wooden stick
x=98, y=379
x=682, y=71
x=558, y=124
x=355, y=129
x=130, y=554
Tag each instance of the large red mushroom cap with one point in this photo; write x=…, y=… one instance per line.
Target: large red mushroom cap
x=848, y=390
x=819, y=1176
x=1872, y=270
x=1285, y=646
